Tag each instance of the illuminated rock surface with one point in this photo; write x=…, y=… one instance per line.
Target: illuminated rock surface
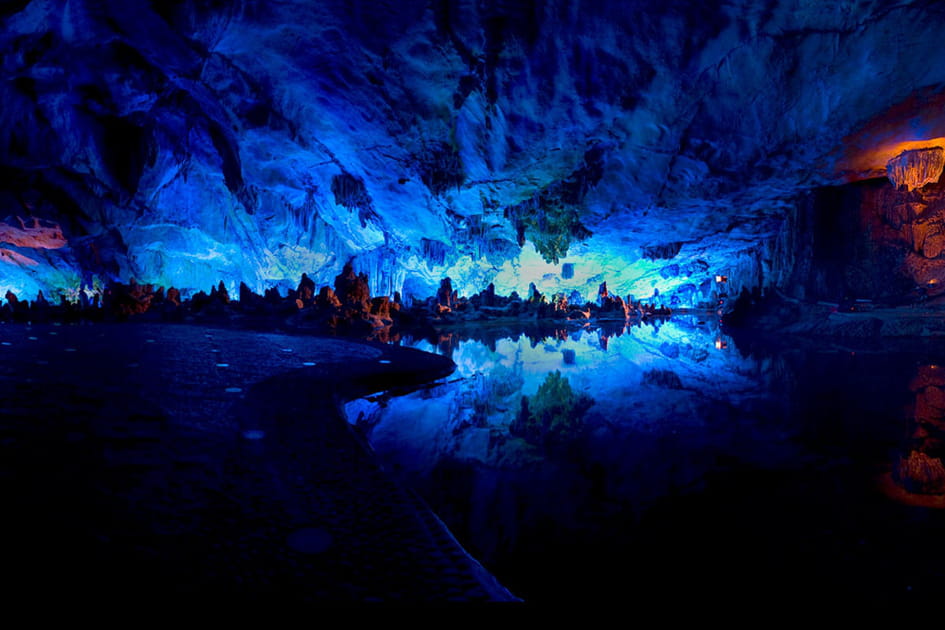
x=916, y=168
x=651, y=145
x=719, y=155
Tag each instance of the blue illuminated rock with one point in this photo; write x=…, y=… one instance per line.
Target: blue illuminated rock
x=558, y=143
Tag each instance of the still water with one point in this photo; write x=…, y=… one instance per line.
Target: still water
x=626, y=463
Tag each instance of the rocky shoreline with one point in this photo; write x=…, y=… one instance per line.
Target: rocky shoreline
x=147, y=461
x=777, y=314
x=346, y=308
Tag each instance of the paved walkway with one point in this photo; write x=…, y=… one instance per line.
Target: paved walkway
x=154, y=460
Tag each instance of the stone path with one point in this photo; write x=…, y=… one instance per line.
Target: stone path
x=174, y=459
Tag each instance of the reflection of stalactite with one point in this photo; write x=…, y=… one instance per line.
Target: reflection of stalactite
x=446, y=343
x=488, y=399
x=554, y=414
x=918, y=474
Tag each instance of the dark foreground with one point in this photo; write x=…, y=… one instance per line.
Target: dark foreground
x=700, y=473
x=143, y=462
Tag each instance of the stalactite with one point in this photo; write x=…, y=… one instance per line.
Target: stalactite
x=434, y=252
x=916, y=168
x=440, y=168
x=750, y=271
x=663, y=251
x=350, y=192
x=385, y=275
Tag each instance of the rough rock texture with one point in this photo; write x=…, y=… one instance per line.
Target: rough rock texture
x=186, y=143
x=916, y=168
x=921, y=473
x=868, y=240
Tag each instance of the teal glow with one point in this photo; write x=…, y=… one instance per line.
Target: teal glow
x=616, y=370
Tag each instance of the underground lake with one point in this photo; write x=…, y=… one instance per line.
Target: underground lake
x=546, y=464
x=678, y=460
x=487, y=302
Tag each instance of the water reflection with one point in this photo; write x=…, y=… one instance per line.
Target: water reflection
x=669, y=450
x=510, y=393
x=918, y=474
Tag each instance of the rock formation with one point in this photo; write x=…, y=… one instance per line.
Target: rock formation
x=505, y=142
x=916, y=168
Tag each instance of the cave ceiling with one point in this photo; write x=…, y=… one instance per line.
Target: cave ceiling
x=184, y=143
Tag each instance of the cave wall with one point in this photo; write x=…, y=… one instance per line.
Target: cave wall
x=183, y=143
x=867, y=240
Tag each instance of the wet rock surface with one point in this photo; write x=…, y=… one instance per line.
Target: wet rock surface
x=154, y=460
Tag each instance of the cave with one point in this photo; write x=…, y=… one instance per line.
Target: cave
x=442, y=301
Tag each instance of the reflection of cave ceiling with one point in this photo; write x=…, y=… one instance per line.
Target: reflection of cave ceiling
x=256, y=140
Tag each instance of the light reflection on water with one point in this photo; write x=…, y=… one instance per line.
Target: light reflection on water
x=657, y=446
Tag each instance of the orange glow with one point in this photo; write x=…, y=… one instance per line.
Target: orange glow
x=14, y=258
x=36, y=236
x=894, y=491
x=874, y=160
x=915, y=123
